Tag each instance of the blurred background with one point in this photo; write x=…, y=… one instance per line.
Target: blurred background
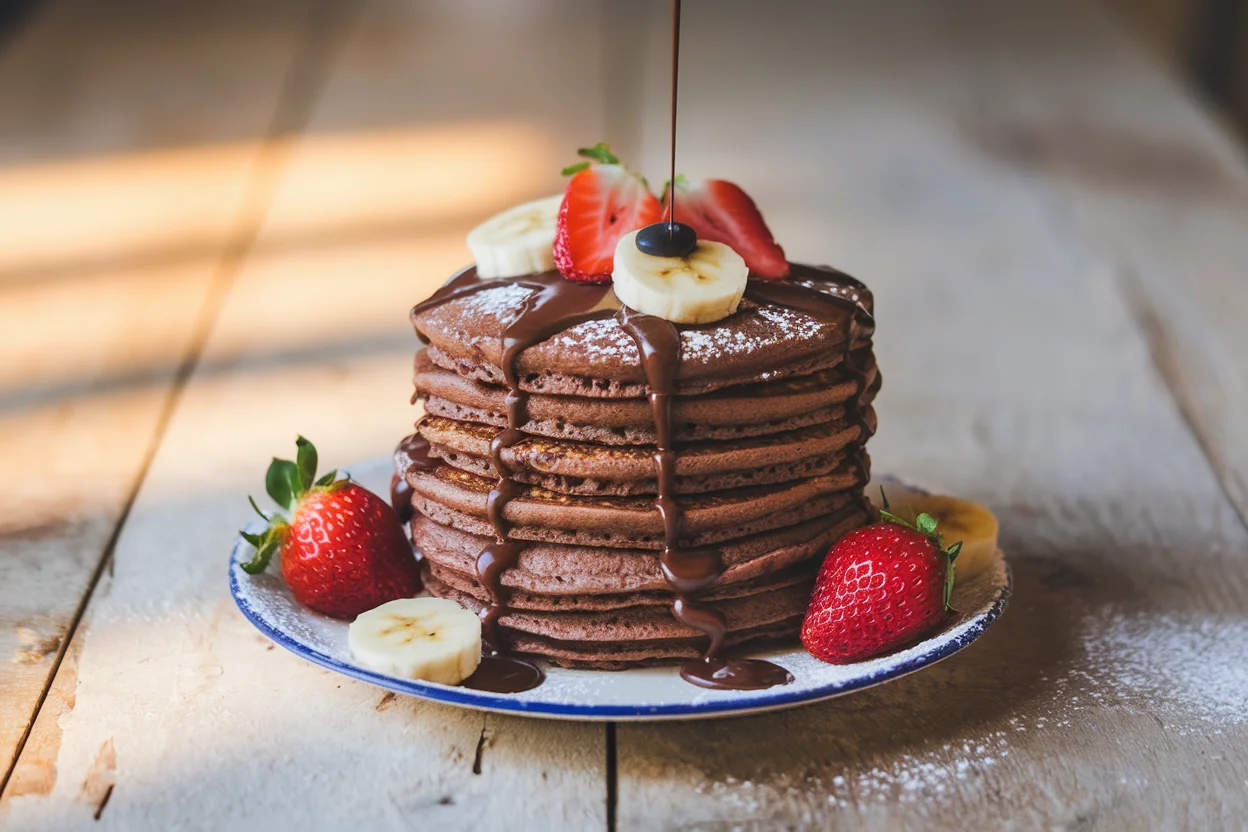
x=154, y=153
x=259, y=191
x=214, y=217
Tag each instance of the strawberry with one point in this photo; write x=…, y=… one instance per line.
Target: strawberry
x=343, y=550
x=603, y=202
x=881, y=587
x=723, y=213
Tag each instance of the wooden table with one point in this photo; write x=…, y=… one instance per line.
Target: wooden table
x=213, y=218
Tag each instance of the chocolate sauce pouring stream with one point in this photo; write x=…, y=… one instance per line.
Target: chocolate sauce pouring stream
x=671, y=182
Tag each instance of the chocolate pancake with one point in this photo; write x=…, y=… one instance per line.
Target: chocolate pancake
x=637, y=634
x=736, y=412
x=598, y=359
x=607, y=655
x=466, y=582
x=457, y=498
x=606, y=488
x=589, y=469
x=555, y=576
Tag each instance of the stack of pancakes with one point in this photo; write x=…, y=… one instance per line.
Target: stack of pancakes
x=770, y=418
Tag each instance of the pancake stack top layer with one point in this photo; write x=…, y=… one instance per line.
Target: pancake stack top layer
x=606, y=488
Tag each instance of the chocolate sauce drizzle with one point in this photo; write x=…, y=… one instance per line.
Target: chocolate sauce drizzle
x=412, y=454
x=557, y=304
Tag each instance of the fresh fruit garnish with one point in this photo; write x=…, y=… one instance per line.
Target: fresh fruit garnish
x=721, y=212
x=882, y=586
x=418, y=638
x=603, y=202
x=518, y=241
x=973, y=524
x=343, y=550
x=703, y=286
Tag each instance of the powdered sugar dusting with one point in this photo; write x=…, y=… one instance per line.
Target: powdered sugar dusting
x=605, y=338
x=601, y=339
x=502, y=302
x=1186, y=667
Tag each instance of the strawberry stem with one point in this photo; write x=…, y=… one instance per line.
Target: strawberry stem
x=286, y=482
x=266, y=546
x=305, y=461
x=600, y=153
x=926, y=525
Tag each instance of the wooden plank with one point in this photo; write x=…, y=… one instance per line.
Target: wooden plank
x=1016, y=373
x=219, y=729
x=90, y=105
x=1161, y=191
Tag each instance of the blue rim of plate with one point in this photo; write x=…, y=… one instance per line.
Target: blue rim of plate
x=502, y=702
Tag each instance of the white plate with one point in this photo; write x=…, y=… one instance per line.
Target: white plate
x=642, y=694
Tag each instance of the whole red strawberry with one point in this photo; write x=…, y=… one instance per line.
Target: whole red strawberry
x=722, y=212
x=343, y=550
x=603, y=202
x=881, y=587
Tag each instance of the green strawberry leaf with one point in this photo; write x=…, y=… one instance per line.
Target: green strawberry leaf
x=252, y=500
x=254, y=539
x=306, y=463
x=572, y=170
x=949, y=584
x=281, y=481
x=600, y=152
x=953, y=551
x=264, y=553
x=327, y=479
x=926, y=524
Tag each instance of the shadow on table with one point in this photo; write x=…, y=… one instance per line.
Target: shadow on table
x=1028, y=668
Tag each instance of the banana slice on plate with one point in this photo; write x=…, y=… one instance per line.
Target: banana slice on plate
x=520, y=240
x=703, y=286
x=418, y=638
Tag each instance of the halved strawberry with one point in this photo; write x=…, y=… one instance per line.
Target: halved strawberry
x=723, y=213
x=603, y=202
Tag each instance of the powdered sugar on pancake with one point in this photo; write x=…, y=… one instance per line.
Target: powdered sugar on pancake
x=605, y=338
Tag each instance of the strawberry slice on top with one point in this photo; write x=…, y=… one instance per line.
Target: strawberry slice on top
x=720, y=211
x=603, y=202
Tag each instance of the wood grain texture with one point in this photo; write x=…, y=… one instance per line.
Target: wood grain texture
x=190, y=716
x=1046, y=214
x=94, y=334
x=1016, y=372
x=1142, y=175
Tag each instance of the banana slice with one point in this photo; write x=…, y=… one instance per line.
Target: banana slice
x=520, y=240
x=705, y=285
x=419, y=638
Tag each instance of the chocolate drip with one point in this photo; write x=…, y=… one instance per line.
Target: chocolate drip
x=412, y=454
x=687, y=572
x=555, y=304
x=831, y=297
